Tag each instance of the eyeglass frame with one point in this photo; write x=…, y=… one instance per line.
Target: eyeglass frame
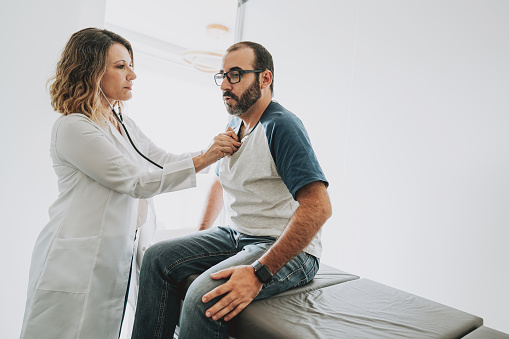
x=240, y=71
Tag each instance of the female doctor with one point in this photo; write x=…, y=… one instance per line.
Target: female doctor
x=103, y=216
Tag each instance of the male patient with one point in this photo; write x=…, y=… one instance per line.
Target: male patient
x=275, y=199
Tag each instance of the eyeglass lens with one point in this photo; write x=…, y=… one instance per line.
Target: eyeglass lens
x=232, y=76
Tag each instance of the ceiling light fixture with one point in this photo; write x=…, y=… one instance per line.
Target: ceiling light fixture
x=205, y=61
x=216, y=31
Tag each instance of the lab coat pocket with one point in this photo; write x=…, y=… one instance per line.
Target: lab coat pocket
x=69, y=265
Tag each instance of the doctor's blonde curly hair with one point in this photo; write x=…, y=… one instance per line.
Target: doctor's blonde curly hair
x=75, y=86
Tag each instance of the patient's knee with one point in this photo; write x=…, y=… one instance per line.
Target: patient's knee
x=200, y=286
x=155, y=259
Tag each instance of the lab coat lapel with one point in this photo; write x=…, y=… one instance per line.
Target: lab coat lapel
x=124, y=142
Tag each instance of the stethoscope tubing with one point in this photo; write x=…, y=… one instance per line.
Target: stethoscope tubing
x=131, y=141
x=121, y=121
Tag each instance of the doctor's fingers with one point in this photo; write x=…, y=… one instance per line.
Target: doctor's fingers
x=227, y=140
x=228, y=151
x=219, y=150
x=231, y=133
x=225, y=144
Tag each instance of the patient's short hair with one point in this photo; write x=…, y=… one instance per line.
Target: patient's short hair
x=263, y=59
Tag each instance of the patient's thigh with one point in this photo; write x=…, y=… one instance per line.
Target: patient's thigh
x=204, y=283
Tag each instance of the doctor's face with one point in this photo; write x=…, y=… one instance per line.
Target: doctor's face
x=117, y=82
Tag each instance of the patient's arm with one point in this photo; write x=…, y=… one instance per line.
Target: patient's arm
x=313, y=211
x=242, y=285
x=213, y=207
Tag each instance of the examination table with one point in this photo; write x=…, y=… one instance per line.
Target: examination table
x=336, y=304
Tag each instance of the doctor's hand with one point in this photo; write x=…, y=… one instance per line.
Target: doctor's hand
x=224, y=144
x=228, y=139
x=240, y=289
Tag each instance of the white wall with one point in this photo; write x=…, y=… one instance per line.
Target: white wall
x=406, y=104
x=32, y=35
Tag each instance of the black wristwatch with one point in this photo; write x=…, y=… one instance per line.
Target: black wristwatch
x=262, y=272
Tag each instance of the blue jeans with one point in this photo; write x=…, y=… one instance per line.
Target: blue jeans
x=166, y=266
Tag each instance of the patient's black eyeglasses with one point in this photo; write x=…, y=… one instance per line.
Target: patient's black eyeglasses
x=232, y=76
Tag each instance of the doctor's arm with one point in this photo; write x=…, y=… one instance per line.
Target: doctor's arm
x=243, y=286
x=224, y=144
x=80, y=144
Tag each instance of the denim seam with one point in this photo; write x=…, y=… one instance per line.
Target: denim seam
x=302, y=281
x=185, y=260
x=306, y=280
x=301, y=268
x=312, y=268
x=287, y=277
x=218, y=330
x=160, y=318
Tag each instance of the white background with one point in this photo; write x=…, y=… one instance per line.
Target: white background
x=405, y=102
x=407, y=106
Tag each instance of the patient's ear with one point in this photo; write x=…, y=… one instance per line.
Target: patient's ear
x=265, y=79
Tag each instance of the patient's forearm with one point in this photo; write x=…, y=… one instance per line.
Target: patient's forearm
x=309, y=217
x=213, y=207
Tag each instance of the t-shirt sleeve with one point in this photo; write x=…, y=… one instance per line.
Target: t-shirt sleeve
x=292, y=152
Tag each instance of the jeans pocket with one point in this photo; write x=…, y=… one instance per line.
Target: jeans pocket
x=297, y=272
x=309, y=265
x=69, y=265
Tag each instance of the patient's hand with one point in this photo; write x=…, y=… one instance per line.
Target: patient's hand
x=242, y=287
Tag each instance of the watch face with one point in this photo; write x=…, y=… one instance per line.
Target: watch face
x=263, y=274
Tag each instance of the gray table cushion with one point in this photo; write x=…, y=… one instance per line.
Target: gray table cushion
x=484, y=332
x=326, y=276
x=358, y=308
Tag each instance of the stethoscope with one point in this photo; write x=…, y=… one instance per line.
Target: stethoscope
x=121, y=121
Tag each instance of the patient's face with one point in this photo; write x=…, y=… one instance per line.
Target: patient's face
x=239, y=97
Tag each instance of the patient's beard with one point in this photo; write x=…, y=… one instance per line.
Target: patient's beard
x=246, y=100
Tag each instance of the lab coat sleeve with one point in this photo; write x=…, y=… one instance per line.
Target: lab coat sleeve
x=80, y=143
x=157, y=154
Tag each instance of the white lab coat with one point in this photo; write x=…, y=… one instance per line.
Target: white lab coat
x=81, y=260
